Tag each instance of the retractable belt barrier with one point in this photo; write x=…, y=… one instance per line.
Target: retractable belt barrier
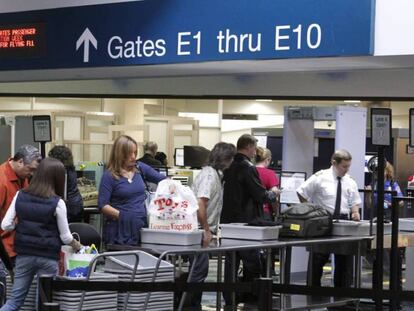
x=263, y=287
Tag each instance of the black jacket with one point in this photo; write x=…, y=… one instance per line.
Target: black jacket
x=74, y=202
x=244, y=194
x=150, y=160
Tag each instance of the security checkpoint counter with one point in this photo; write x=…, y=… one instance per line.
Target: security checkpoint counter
x=405, y=240
x=231, y=246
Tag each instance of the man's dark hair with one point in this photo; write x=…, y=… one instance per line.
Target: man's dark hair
x=341, y=155
x=245, y=141
x=162, y=157
x=63, y=154
x=28, y=154
x=49, y=179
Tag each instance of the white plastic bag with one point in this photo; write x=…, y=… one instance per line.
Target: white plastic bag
x=174, y=207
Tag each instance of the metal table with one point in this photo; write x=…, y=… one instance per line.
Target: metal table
x=234, y=245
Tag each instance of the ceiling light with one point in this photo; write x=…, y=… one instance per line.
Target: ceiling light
x=352, y=101
x=263, y=100
x=100, y=113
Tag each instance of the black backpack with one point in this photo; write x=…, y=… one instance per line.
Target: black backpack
x=305, y=220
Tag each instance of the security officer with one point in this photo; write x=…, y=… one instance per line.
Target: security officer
x=337, y=192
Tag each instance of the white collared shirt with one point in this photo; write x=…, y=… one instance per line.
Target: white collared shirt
x=208, y=185
x=321, y=188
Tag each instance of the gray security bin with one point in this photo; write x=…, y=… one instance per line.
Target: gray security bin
x=406, y=224
x=169, y=237
x=356, y=228
x=244, y=232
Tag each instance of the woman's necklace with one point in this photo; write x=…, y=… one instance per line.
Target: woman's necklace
x=129, y=175
x=130, y=179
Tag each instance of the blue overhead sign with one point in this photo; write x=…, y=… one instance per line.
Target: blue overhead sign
x=181, y=31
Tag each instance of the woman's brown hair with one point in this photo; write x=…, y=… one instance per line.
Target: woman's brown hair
x=49, y=179
x=121, y=149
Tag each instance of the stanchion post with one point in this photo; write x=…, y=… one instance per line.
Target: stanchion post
x=395, y=261
x=380, y=227
x=264, y=293
x=45, y=293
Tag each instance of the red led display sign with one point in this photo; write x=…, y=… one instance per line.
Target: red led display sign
x=23, y=40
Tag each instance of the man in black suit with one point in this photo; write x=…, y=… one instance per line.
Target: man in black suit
x=150, y=149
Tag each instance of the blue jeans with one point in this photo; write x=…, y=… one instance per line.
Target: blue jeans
x=199, y=275
x=26, y=268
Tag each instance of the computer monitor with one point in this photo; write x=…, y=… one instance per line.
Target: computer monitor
x=179, y=157
x=195, y=156
x=163, y=170
x=289, y=182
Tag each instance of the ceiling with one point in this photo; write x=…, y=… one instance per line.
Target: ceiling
x=373, y=77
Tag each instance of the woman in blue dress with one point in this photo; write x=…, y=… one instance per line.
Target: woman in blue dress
x=122, y=193
x=390, y=185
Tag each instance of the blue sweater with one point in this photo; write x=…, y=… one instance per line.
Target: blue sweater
x=129, y=198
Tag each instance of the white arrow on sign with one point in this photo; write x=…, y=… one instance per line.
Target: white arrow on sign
x=86, y=38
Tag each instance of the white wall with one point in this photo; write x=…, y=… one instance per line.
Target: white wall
x=67, y=104
x=72, y=130
x=262, y=121
x=15, y=103
x=394, y=27
x=175, y=106
x=204, y=119
x=50, y=103
x=208, y=137
x=157, y=131
x=233, y=136
x=252, y=107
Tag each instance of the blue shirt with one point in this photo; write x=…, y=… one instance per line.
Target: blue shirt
x=389, y=185
x=129, y=198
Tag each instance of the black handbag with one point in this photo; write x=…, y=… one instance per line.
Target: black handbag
x=305, y=220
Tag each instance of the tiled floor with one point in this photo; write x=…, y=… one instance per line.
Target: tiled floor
x=209, y=299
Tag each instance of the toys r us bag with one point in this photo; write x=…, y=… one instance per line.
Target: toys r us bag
x=174, y=207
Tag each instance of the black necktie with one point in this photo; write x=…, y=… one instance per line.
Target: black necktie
x=337, y=211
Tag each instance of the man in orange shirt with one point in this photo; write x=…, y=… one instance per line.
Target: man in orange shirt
x=14, y=176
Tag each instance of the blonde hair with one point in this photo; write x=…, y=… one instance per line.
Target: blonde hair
x=262, y=154
x=121, y=149
x=389, y=171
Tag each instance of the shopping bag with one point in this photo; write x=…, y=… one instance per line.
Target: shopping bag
x=174, y=207
x=74, y=264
